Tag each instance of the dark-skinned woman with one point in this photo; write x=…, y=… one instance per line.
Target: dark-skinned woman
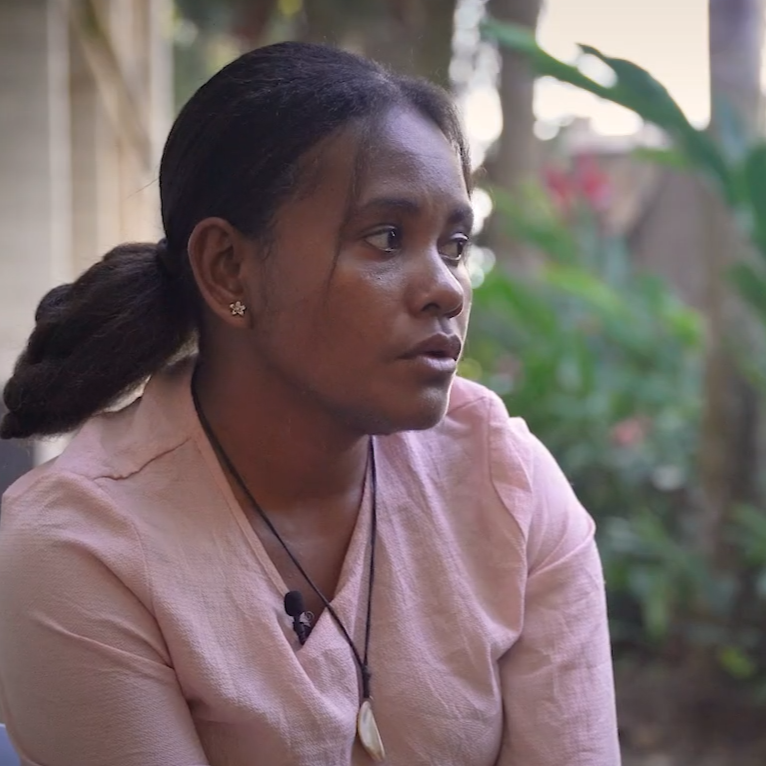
x=307, y=542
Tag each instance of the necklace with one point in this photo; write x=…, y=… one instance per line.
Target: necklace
x=366, y=726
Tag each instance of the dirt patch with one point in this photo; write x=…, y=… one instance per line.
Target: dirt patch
x=668, y=717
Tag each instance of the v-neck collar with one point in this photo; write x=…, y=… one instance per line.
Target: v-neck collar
x=354, y=576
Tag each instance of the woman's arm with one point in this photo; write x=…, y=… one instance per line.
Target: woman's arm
x=85, y=676
x=557, y=683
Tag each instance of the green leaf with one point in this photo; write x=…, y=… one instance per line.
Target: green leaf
x=529, y=218
x=736, y=663
x=575, y=281
x=751, y=285
x=730, y=130
x=669, y=158
x=516, y=300
x=522, y=40
x=748, y=533
x=754, y=173
x=638, y=90
x=635, y=89
x=652, y=588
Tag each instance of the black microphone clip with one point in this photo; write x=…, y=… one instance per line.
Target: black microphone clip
x=295, y=608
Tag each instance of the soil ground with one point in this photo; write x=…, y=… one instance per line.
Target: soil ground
x=666, y=720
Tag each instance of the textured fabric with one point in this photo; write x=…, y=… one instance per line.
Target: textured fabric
x=142, y=624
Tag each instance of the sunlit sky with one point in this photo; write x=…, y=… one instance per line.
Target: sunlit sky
x=669, y=38
x=666, y=37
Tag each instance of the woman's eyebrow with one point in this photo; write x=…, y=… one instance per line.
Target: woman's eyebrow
x=403, y=204
x=461, y=213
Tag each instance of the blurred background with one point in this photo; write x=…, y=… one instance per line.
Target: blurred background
x=620, y=271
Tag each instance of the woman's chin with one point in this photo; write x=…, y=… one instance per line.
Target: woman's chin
x=412, y=413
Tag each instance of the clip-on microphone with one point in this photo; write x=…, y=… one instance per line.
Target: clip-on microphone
x=296, y=609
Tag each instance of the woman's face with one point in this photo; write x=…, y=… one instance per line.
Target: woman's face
x=368, y=295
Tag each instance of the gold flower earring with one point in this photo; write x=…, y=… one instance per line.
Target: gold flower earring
x=237, y=309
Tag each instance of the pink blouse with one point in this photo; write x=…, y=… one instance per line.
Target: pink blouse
x=143, y=623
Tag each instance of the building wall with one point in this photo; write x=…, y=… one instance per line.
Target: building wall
x=83, y=117
x=35, y=201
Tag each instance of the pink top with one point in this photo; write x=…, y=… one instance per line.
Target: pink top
x=143, y=624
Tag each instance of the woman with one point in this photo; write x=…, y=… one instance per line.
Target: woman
x=316, y=469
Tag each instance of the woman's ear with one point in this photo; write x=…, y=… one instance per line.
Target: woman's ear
x=219, y=255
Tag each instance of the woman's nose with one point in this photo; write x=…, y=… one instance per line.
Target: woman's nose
x=439, y=291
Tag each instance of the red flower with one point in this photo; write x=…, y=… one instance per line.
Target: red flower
x=629, y=432
x=584, y=182
x=592, y=183
x=561, y=187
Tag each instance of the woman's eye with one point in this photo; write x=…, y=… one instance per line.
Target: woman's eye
x=456, y=248
x=388, y=240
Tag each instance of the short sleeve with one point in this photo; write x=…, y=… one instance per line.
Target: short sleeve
x=557, y=680
x=85, y=676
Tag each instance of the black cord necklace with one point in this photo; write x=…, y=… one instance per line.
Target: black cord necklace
x=367, y=729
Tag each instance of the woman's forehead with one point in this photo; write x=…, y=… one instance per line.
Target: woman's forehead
x=405, y=143
x=399, y=155
x=400, y=151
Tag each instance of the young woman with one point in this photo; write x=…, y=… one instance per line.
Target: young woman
x=307, y=543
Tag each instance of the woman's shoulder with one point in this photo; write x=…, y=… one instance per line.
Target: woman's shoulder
x=52, y=501
x=87, y=508
x=478, y=417
x=117, y=444
x=82, y=488
x=475, y=444
x=478, y=445
x=514, y=453
x=61, y=534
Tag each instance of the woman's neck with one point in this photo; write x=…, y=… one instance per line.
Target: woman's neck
x=288, y=451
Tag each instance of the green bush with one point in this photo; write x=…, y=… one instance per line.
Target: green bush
x=604, y=364
x=667, y=589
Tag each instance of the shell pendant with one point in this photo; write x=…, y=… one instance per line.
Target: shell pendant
x=369, y=735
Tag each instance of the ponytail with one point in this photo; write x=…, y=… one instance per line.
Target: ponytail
x=97, y=339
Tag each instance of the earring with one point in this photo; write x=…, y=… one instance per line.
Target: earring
x=237, y=309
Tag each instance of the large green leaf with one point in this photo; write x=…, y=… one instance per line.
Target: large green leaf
x=634, y=88
x=522, y=40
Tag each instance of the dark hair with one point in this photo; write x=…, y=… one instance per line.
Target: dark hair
x=233, y=152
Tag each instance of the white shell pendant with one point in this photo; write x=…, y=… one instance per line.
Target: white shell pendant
x=369, y=736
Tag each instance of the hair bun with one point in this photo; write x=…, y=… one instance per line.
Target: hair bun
x=53, y=303
x=11, y=427
x=164, y=258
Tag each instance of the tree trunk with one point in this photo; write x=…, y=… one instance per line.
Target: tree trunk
x=323, y=23
x=251, y=19
x=728, y=457
x=415, y=38
x=411, y=36
x=514, y=160
x=433, y=42
x=736, y=38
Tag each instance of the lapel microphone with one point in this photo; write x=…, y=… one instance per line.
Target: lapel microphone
x=296, y=608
